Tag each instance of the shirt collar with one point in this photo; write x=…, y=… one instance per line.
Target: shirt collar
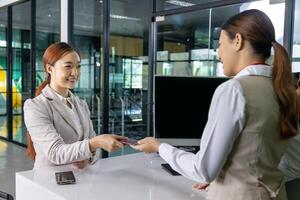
x=256, y=70
x=64, y=99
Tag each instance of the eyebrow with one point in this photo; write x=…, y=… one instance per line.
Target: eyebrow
x=69, y=62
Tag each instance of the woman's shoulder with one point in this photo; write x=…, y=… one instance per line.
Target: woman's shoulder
x=232, y=84
x=37, y=102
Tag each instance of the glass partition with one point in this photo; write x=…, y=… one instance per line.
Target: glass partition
x=128, y=68
x=87, y=40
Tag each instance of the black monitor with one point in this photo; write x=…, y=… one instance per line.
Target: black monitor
x=181, y=107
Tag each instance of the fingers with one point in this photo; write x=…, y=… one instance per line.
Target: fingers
x=200, y=186
x=80, y=164
x=139, y=147
x=118, y=137
x=147, y=145
x=145, y=140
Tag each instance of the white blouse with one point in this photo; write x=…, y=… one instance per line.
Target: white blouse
x=225, y=122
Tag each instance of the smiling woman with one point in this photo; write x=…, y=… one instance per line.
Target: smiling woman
x=64, y=73
x=59, y=122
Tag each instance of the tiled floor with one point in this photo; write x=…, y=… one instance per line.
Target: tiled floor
x=12, y=160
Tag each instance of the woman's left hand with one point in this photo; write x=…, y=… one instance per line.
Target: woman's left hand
x=80, y=164
x=147, y=145
x=200, y=186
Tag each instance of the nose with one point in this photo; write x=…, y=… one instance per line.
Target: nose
x=75, y=71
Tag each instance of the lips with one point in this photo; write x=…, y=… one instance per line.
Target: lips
x=72, y=80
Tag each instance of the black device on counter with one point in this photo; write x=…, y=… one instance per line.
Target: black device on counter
x=169, y=169
x=65, y=178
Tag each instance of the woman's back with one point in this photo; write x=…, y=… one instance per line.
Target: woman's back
x=250, y=171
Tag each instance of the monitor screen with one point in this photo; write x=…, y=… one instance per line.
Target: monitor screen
x=181, y=106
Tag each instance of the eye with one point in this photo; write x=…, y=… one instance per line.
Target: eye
x=68, y=66
x=78, y=66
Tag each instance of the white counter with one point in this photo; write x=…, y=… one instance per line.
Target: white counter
x=131, y=177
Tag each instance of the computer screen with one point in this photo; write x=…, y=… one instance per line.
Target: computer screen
x=181, y=107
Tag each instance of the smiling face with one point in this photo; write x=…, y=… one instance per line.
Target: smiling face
x=64, y=73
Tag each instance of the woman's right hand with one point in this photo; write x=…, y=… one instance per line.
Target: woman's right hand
x=108, y=142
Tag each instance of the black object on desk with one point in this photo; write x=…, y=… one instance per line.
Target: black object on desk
x=65, y=178
x=6, y=196
x=169, y=169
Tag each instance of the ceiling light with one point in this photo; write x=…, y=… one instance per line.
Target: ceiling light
x=124, y=17
x=180, y=3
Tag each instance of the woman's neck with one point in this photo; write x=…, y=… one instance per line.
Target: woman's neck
x=245, y=61
x=61, y=91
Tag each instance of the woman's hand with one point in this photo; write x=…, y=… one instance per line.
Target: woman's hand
x=200, y=186
x=147, y=145
x=108, y=142
x=80, y=164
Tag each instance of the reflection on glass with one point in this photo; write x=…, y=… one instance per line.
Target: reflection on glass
x=187, y=43
x=296, y=42
x=20, y=67
x=3, y=67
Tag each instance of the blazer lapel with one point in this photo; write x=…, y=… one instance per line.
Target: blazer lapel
x=60, y=108
x=84, y=119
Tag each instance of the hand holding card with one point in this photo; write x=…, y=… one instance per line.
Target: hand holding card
x=129, y=142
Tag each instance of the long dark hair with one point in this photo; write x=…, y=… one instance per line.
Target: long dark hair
x=52, y=54
x=256, y=27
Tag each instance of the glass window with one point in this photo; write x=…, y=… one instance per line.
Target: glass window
x=187, y=43
x=296, y=42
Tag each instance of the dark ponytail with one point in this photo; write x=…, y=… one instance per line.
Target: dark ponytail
x=285, y=90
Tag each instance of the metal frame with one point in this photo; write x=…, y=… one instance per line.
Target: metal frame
x=9, y=75
x=105, y=71
x=70, y=21
x=151, y=67
x=33, y=47
x=288, y=36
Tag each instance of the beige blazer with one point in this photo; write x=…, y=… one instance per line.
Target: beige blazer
x=56, y=138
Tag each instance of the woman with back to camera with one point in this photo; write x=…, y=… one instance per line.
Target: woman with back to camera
x=58, y=122
x=251, y=117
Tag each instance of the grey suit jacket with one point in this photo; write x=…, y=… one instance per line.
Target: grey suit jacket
x=56, y=138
